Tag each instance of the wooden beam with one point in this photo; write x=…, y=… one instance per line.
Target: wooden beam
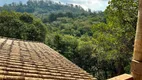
x=136, y=67
x=122, y=77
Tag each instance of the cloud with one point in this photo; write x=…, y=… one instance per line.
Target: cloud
x=94, y=5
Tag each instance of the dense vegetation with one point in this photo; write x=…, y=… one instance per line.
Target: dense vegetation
x=21, y=26
x=99, y=42
x=43, y=7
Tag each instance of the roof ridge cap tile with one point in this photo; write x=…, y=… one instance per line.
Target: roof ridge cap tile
x=20, y=39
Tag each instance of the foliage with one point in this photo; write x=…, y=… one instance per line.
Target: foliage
x=105, y=49
x=115, y=38
x=44, y=7
x=21, y=26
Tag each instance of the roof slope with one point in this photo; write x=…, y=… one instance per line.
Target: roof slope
x=23, y=60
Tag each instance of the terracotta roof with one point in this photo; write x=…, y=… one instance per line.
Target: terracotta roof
x=24, y=60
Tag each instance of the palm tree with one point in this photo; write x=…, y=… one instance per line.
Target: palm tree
x=136, y=67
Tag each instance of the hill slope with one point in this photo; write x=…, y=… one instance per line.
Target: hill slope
x=43, y=7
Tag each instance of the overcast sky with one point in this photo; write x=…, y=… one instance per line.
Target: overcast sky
x=94, y=5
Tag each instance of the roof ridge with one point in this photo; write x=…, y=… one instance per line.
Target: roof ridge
x=20, y=39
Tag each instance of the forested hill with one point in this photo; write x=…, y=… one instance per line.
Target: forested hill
x=43, y=7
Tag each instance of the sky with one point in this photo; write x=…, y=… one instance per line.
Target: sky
x=94, y=5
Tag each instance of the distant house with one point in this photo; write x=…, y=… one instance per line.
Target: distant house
x=23, y=60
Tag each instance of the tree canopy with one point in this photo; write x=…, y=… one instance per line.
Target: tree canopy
x=22, y=26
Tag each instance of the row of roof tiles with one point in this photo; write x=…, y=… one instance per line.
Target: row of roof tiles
x=24, y=60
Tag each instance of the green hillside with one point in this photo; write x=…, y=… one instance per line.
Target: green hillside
x=43, y=7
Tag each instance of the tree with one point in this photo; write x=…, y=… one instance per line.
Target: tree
x=26, y=18
x=121, y=18
x=114, y=38
x=21, y=26
x=52, y=17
